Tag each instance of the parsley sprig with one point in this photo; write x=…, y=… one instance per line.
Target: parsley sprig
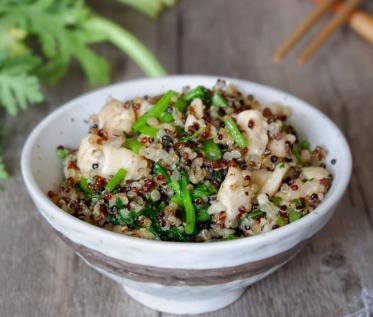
x=40, y=38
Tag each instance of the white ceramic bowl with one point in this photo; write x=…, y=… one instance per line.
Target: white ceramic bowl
x=170, y=276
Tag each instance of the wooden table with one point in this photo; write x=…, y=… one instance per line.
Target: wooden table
x=41, y=276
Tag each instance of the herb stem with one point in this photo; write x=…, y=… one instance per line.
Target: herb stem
x=126, y=42
x=235, y=133
x=190, y=213
x=116, y=180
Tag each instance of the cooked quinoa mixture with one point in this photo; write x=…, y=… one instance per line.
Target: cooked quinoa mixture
x=199, y=165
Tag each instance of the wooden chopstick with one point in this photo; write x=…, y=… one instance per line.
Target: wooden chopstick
x=361, y=22
x=337, y=21
x=318, y=12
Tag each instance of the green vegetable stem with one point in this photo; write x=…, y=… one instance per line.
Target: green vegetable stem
x=155, y=111
x=190, y=214
x=116, y=180
x=211, y=150
x=235, y=133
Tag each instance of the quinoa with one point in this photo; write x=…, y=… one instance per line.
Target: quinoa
x=201, y=165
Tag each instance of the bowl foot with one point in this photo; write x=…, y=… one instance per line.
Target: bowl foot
x=174, y=306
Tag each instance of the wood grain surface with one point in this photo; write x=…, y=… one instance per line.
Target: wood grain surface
x=41, y=276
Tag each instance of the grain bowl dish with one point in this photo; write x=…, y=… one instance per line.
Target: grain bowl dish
x=189, y=277
x=201, y=164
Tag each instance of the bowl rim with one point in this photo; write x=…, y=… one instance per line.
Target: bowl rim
x=38, y=195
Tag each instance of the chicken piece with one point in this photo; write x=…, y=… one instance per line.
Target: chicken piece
x=114, y=116
x=274, y=181
x=255, y=127
x=232, y=195
x=89, y=154
x=314, y=172
x=259, y=177
x=116, y=158
x=108, y=159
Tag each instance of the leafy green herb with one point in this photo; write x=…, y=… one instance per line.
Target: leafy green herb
x=62, y=153
x=190, y=213
x=60, y=31
x=202, y=215
x=282, y=165
x=256, y=213
x=231, y=237
x=296, y=152
x=294, y=215
x=193, y=136
x=83, y=183
x=119, y=203
x=152, y=211
x=305, y=145
x=211, y=150
x=198, y=92
x=219, y=101
x=133, y=145
x=200, y=191
x=277, y=201
x=279, y=221
x=149, y=131
x=299, y=203
x=116, y=180
x=235, y=133
x=166, y=117
x=155, y=111
x=131, y=220
x=175, y=186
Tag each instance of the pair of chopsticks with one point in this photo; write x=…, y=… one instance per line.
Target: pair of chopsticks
x=335, y=23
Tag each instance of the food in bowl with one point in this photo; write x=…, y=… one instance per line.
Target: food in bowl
x=199, y=165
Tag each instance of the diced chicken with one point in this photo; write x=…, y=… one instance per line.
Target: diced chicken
x=232, y=195
x=274, y=181
x=259, y=177
x=313, y=172
x=90, y=152
x=116, y=158
x=257, y=132
x=114, y=116
x=109, y=159
x=279, y=147
x=304, y=189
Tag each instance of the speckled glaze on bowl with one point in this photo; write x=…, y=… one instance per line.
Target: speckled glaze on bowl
x=181, y=278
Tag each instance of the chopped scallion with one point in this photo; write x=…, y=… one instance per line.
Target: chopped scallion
x=116, y=180
x=235, y=133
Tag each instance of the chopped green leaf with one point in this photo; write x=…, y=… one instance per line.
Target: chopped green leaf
x=166, y=117
x=211, y=150
x=83, y=183
x=219, y=101
x=149, y=131
x=62, y=153
x=256, y=213
x=235, y=133
x=133, y=145
x=116, y=180
x=279, y=221
x=294, y=215
x=277, y=201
